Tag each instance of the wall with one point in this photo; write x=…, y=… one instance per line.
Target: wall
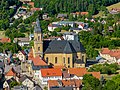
x=60, y=60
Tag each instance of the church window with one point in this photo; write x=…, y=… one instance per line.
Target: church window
x=38, y=48
x=38, y=37
x=63, y=59
x=68, y=60
x=55, y=59
x=82, y=58
x=46, y=59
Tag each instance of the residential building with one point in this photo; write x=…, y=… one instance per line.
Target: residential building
x=69, y=53
x=67, y=23
x=70, y=36
x=78, y=73
x=22, y=55
x=22, y=41
x=6, y=84
x=2, y=66
x=37, y=64
x=112, y=56
x=27, y=81
x=52, y=27
x=10, y=74
x=74, y=84
x=50, y=74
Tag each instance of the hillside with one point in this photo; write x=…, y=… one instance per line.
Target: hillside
x=117, y=5
x=68, y=6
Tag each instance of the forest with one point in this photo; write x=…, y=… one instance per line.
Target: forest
x=57, y=6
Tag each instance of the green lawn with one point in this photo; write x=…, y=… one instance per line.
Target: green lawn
x=100, y=14
x=2, y=34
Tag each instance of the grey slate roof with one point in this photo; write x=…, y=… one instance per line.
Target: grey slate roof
x=61, y=88
x=37, y=27
x=64, y=46
x=24, y=77
x=20, y=87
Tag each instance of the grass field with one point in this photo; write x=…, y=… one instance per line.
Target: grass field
x=101, y=13
x=2, y=34
x=117, y=5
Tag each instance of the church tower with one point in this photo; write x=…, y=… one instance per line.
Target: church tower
x=38, y=40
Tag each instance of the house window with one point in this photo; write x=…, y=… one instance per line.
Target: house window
x=38, y=48
x=46, y=59
x=38, y=37
x=55, y=59
x=68, y=60
x=63, y=59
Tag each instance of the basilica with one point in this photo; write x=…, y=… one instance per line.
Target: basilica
x=68, y=53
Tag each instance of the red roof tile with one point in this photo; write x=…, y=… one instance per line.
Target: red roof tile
x=84, y=13
x=38, y=61
x=77, y=71
x=53, y=83
x=5, y=40
x=105, y=51
x=30, y=55
x=51, y=72
x=95, y=74
x=11, y=72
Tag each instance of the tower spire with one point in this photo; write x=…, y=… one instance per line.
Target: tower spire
x=37, y=27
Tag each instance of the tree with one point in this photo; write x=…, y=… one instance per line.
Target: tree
x=90, y=82
x=13, y=83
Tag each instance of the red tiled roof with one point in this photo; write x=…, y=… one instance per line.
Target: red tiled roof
x=77, y=71
x=51, y=72
x=53, y=83
x=95, y=74
x=35, y=9
x=38, y=61
x=68, y=82
x=73, y=82
x=84, y=13
x=112, y=53
x=5, y=40
x=11, y=72
x=31, y=3
x=105, y=51
x=30, y=55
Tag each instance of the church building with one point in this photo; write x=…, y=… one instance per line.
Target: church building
x=68, y=53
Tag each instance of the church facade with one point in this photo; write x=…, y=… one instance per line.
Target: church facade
x=68, y=53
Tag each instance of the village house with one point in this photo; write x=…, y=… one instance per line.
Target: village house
x=21, y=87
x=78, y=73
x=36, y=65
x=22, y=56
x=50, y=74
x=74, y=84
x=66, y=23
x=22, y=41
x=27, y=81
x=70, y=36
x=10, y=74
x=76, y=30
x=6, y=84
x=69, y=53
x=113, y=56
x=51, y=27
